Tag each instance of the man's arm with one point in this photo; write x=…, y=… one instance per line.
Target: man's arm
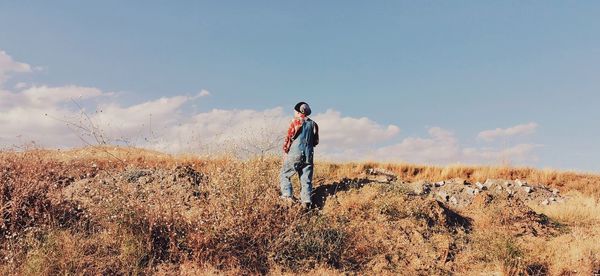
x=291, y=134
x=316, y=137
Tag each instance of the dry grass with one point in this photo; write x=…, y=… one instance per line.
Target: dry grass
x=84, y=212
x=578, y=210
x=588, y=184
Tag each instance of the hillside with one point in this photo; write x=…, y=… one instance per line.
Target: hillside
x=131, y=211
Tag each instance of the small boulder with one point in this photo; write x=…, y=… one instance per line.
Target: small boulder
x=519, y=183
x=453, y=200
x=472, y=192
x=545, y=202
x=443, y=195
x=481, y=186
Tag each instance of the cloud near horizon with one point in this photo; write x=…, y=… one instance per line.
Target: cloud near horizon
x=73, y=116
x=9, y=66
x=518, y=130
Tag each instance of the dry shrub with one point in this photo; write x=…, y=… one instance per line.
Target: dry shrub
x=390, y=232
x=313, y=241
x=577, y=210
x=577, y=251
x=495, y=250
x=128, y=211
x=64, y=252
x=586, y=183
x=574, y=253
x=509, y=214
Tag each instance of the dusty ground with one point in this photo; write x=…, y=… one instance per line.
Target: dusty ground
x=155, y=214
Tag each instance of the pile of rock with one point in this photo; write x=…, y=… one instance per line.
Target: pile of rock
x=460, y=193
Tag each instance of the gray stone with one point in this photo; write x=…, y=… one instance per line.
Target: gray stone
x=381, y=178
x=472, y=192
x=527, y=189
x=389, y=175
x=440, y=183
x=453, y=200
x=443, y=195
x=419, y=187
x=545, y=202
x=518, y=183
x=134, y=175
x=481, y=186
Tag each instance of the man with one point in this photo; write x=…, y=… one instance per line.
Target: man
x=302, y=137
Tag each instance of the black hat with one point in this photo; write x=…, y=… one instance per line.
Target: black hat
x=303, y=108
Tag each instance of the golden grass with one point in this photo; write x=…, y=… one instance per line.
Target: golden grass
x=578, y=210
x=585, y=183
x=72, y=212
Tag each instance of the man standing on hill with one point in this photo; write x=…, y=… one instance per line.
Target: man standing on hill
x=302, y=137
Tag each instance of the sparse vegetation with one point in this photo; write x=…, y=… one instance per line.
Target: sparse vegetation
x=130, y=211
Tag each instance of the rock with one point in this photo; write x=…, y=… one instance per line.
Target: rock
x=134, y=175
x=481, y=186
x=419, y=187
x=426, y=187
x=453, y=201
x=386, y=175
x=555, y=191
x=443, y=195
x=472, y=192
x=552, y=199
x=527, y=189
x=381, y=178
x=545, y=202
x=440, y=183
x=519, y=183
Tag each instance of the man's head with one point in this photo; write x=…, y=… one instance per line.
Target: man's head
x=303, y=108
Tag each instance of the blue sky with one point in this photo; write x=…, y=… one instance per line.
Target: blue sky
x=463, y=66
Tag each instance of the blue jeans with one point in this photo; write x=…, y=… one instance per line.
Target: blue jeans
x=295, y=163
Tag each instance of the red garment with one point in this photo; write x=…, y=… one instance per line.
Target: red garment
x=292, y=130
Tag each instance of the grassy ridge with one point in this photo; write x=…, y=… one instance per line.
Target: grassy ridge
x=129, y=211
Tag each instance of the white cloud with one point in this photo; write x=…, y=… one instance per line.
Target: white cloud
x=161, y=124
x=39, y=113
x=21, y=85
x=352, y=132
x=440, y=147
x=8, y=66
x=50, y=116
x=43, y=95
x=521, y=153
x=524, y=129
x=221, y=130
x=203, y=93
